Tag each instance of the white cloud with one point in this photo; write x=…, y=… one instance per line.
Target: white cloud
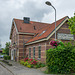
x=36, y=10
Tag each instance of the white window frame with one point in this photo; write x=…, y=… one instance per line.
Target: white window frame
x=29, y=52
x=33, y=52
x=39, y=54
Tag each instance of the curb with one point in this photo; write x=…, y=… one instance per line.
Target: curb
x=6, y=68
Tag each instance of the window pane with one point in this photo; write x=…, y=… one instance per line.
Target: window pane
x=29, y=52
x=39, y=52
x=34, y=52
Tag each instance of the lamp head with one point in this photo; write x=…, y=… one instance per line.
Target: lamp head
x=48, y=3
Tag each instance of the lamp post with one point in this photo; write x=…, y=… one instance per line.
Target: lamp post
x=48, y=3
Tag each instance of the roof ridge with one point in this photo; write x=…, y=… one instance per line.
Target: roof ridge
x=31, y=21
x=16, y=19
x=53, y=23
x=40, y=22
x=61, y=19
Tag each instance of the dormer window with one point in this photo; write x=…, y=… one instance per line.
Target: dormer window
x=42, y=32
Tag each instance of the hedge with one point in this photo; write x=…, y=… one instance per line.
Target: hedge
x=7, y=57
x=61, y=59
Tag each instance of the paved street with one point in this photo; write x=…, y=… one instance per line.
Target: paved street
x=18, y=69
x=4, y=71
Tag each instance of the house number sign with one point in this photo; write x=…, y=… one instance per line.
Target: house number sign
x=65, y=36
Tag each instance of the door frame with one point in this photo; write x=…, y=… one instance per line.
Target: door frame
x=12, y=55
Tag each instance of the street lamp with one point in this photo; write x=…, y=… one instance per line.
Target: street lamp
x=48, y=3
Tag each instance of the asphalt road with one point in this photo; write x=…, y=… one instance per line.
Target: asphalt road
x=4, y=71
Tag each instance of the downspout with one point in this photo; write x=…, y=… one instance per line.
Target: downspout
x=23, y=46
x=45, y=51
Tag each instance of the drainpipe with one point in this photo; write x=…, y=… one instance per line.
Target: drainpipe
x=23, y=46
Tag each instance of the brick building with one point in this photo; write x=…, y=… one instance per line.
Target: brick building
x=32, y=39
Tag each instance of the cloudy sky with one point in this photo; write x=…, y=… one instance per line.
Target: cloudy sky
x=37, y=10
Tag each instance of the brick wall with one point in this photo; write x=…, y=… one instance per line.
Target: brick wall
x=23, y=39
x=43, y=49
x=63, y=29
x=19, y=39
x=15, y=39
x=46, y=44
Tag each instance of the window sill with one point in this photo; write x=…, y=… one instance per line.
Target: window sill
x=33, y=58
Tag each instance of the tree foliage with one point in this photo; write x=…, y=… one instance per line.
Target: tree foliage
x=6, y=49
x=71, y=23
x=3, y=50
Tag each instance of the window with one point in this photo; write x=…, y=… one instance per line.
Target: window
x=36, y=34
x=29, y=52
x=39, y=52
x=42, y=32
x=34, y=52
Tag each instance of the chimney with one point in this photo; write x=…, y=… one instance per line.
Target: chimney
x=26, y=20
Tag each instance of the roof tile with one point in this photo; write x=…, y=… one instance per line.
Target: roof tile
x=40, y=27
x=29, y=28
x=48, y=29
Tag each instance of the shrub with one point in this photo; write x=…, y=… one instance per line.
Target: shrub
x=32, y=66
x=7, y=57
x=29, y=66
x=31, y=59
x=61, y=59
x=42, y=65
x=30, y=63
x=34, y=62
x=26, y=63
x=37, y=66
x=26, y=59
x=22, y=62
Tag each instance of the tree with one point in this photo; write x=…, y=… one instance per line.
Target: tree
x=6, y=50
x=3, y=50
x=71, y=23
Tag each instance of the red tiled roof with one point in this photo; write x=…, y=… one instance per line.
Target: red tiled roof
x=48, y=29
x=40, y=27
x=29, y=28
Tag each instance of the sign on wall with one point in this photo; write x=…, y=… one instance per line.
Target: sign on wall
x=63, y=36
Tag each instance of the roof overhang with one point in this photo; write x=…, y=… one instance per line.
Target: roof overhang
x=47, y=38
x=13, y=23
x=26, y=33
